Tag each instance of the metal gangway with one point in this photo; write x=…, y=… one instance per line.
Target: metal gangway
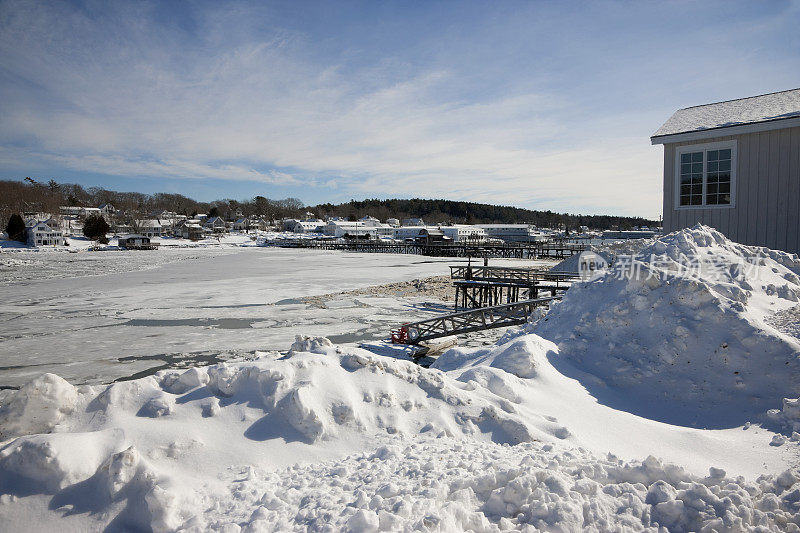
x=497, y=316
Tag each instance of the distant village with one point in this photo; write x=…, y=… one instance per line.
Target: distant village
x=48, y=229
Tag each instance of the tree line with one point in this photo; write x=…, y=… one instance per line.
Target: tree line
x=32, y=195
x=456, y=212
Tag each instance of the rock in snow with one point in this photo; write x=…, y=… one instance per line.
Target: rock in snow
x=338, y=438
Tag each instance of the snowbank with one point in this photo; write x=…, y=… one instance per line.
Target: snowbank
x=376, y=443
x=682, y=330
x=148, y=451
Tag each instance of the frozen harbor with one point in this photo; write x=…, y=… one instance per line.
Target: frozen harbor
x=142, y=311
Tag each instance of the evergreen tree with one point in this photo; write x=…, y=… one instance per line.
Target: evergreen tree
x=15, y=229
x=95, y=227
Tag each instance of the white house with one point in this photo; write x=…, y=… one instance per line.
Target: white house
x=370, y=221
x=393, y=222
x=413, y=222
x=87, y=212
x=340, y=228
x=216, y=225
x=73, y=210
x=463, y=233
x=107, y=210
x=190, y=229
x=303, y=226
x=404, y=233
x=241, y=224
x=149, y=228
x=735, y=165
x=42, y=234
x=509, y=232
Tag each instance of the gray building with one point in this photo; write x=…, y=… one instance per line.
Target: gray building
x=735, y=166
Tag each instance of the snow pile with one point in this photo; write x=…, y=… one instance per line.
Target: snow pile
x=681, y=330
x=140, y=449
x=38, y=406
x=442, y=485
x=376, y=443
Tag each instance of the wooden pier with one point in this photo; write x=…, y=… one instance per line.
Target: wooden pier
x=482, y=286
x=498, y=316
x=532, y=250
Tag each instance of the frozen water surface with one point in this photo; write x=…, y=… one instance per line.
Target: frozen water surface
x=142, y=311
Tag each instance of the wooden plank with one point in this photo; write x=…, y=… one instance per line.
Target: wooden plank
x=755, y=189
x=741, y=198
x=771, y=220
x=782, y=178
x=794, y=179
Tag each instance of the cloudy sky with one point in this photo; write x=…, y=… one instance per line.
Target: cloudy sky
x=545, y=105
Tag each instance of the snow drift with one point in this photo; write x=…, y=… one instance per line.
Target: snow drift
x=376, y=444
x=683, y=330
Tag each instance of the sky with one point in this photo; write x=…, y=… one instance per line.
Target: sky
x=542, y=105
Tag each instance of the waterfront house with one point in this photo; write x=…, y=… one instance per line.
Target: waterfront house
x=735, y=165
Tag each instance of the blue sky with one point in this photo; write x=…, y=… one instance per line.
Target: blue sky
x=545, y=105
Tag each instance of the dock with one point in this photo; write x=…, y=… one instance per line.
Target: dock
x=485, y=286
x=524, y=250
x=497, y=316
x=488, y=297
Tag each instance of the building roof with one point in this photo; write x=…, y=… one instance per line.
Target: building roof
x=149, y=223
x=755, y=113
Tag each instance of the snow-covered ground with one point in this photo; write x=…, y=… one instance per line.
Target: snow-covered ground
x=587, y=418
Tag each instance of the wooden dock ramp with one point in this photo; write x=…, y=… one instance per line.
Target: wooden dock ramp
x=497, y=316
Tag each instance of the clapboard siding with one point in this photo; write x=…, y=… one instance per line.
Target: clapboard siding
x=767, y=198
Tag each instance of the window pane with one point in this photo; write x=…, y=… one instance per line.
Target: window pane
x=686, y=158
x=697, y=157
x=713, y=155
x=725, y=154
x=711, y=188
x=697, y=200
x=697, y=167
x=725, y=165
x=697, y=189
x=686, y=168
x=724, y=187
x=686, y=189
x=725, y=199
x=724, y=176
x=686, y=179
x=697, y=178
x=711, y=200
x=712, y=166
x=711, y=178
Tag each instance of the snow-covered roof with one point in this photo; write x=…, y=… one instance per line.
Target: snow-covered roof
x=501, y=226
x=755, y=113
x=149, y=223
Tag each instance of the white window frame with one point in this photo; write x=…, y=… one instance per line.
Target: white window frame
x=705, y=147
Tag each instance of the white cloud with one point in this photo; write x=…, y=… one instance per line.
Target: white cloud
x=258, y=108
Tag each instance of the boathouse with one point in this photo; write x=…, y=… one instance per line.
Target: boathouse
x=735, y=166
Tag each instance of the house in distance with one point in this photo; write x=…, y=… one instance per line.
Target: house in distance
x=735, y=165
